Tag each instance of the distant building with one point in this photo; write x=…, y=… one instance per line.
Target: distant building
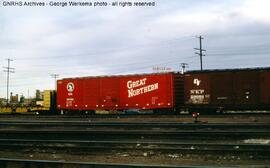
x=28, y=101
x=14, y=99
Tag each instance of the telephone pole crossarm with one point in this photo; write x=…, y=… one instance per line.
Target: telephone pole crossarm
x=8, y=70
x=200, y=51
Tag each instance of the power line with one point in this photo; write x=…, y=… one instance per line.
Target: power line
x=115, y=50
x=239, y=48
x=112, y=66
x=8, y=70
x=201, y=50
x=236, y=54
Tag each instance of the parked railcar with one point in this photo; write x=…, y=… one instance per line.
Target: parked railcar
x=162, y=92
x=47, y=105
x=218, y=90
x=202, y=91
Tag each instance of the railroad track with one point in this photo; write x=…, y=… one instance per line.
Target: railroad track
x=66, y=130
x=78, y=116
x=138, y=124
x=160, y=141
x=258, y=151
x=107, y=148
x=86, y=137
x=131, y=134
x=6, y=163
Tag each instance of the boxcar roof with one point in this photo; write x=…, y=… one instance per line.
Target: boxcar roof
x=127, y=75
x=178, y=72
x=230, y=70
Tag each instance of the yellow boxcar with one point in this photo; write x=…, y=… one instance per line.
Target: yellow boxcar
x=47, y=98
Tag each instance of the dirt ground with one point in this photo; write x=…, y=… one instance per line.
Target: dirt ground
x=139, y=158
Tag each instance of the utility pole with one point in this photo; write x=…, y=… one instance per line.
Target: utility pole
x=184, y=66
x=55, y=76
x=8, y=70
x=201, y=50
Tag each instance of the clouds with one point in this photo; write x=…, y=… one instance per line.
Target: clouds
x=85, y=41
x=257, y=11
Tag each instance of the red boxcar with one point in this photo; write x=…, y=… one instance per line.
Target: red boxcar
x=146, y=91
x=228, y=89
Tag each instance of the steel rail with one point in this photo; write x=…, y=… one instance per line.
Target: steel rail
x=132, y=123
x=139, y=115
x=130, y=134
x=8, y=162
x=131, y=145
x=141, y=132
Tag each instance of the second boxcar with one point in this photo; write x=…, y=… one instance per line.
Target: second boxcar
x=217, y=90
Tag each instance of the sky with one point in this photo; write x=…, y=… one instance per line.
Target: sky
x=113, y=40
